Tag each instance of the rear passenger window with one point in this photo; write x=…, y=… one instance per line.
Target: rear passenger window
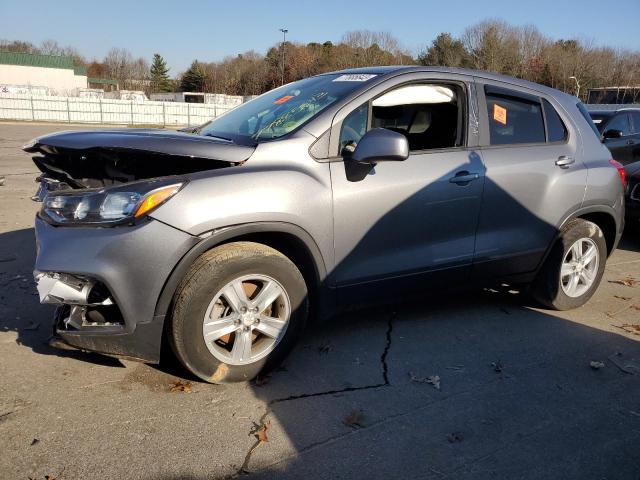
x=514, y=120
x=556, y=131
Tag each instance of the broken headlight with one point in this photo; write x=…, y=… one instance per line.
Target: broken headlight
x=108, y=206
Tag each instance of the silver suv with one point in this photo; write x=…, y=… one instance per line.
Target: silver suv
x=340, y=189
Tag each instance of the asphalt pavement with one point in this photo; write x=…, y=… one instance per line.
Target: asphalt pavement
x=478, y=385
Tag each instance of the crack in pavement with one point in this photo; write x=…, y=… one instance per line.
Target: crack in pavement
x=244, y=468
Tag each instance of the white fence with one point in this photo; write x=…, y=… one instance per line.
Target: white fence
x=95, y=110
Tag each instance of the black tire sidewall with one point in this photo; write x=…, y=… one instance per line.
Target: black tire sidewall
x=209, y=274
x=549, y=291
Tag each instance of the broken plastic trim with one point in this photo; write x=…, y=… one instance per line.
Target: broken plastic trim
x=84, y=302
x=62, y=288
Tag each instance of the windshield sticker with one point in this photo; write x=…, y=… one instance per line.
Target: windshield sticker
x=281, y=100
x=597, y=120
x=355, y=77
x=499, y=114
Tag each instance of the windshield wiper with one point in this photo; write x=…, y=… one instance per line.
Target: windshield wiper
x=217, y=137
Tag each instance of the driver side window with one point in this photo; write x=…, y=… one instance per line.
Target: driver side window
x=429, y=115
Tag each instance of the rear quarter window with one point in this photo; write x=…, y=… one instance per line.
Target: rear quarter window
x=556, y=130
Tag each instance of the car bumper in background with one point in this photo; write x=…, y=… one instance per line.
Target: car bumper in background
x=106, y=283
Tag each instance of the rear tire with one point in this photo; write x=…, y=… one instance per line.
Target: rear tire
x=218, y=317
x=573, y=270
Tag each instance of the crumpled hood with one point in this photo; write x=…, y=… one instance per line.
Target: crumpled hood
x=100, y=158
x=150, y=140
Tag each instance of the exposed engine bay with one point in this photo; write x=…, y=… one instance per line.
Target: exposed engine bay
x=96, y=159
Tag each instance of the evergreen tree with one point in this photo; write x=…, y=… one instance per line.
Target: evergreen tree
x=193, y=79
x=160, y=81
x=445, y=51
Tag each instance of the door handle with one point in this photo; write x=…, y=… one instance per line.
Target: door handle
x=564, y=161
x=464, y=177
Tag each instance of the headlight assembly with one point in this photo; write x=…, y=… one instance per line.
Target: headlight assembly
x=107, y=206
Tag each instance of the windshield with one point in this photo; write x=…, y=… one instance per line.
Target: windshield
x=284, y=109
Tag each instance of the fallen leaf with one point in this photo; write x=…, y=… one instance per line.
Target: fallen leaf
x=596, y=365
x=432, y=380
x=180, y=386
x=630, y=328
x=620, y=297
x=261, y=433
x=34, y=441
x=497, y=366
x=455, y=437
x=325, y=348
x=354, y=419
x=627, y=282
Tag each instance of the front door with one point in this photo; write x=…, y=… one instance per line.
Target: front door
x=403, y=225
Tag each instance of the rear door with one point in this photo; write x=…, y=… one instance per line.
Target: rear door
x=534, y=177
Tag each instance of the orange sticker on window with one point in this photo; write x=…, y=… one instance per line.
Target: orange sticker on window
x=499, y=114
x=281, y=100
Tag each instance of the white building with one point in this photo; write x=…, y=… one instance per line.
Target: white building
x=55, y=73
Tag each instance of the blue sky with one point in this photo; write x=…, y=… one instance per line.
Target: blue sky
x=210, y=30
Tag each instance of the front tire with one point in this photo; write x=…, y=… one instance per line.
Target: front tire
x=573, y=270
x=238, y=311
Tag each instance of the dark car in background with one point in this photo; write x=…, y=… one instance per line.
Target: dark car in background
x=633, y=195
x=620, y=132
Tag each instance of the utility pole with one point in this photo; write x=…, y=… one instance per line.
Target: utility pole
x=577, y=85
x=284, y=40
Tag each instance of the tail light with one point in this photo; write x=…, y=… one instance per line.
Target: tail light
x=623, y=175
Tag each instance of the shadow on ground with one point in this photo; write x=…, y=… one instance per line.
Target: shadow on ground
x=517, y=397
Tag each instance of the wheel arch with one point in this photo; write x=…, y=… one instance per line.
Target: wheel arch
x=605, y=218
x=291, y=240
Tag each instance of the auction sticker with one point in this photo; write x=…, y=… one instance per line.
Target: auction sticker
x=355, y=77
x=281, y=100
x=499, y=114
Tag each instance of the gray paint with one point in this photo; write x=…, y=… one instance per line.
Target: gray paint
x=400, y=220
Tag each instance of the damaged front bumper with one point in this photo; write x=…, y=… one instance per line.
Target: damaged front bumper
x=106, y=283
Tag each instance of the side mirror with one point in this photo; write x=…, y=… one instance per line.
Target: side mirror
x=381, y=145
x=613, y=133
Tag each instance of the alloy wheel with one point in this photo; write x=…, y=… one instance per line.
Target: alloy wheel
x=246, y=319
x=579, y=267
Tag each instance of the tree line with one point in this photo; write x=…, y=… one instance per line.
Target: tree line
x=491, y=45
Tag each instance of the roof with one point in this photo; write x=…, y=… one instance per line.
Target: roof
x=38, y=60
x=397, y=69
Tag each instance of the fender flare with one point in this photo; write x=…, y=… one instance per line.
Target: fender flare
x=575, y=214
x=224, y=234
